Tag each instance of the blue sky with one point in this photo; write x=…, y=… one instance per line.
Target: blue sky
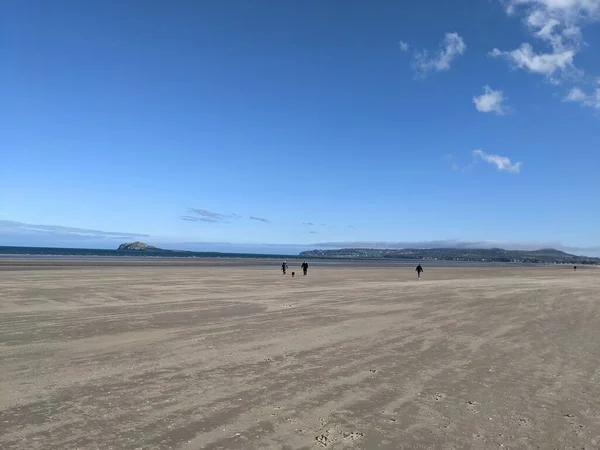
x=332, y=121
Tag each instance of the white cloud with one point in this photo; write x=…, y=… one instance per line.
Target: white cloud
x=502, y=163
x=563, y=8
x=576, y=95
x=404, y=46
x=490, y=101
x=548, y=64
x=558, y=23
x=451, y=47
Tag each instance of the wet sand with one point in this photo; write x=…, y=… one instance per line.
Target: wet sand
x=125, y=356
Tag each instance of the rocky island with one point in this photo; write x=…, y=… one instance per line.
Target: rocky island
x=139, y=246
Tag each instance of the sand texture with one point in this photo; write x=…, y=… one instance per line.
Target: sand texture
x=141, y=357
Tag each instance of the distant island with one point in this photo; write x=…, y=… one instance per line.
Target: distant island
x=544, y=256
x=140, y=246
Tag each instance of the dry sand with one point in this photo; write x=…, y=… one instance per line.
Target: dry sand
x=131, y=356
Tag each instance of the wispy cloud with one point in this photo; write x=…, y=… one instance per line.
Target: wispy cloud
x=552, y=65
x=260, y=219
x=404, y=46
x=201, y=219
x=8, y=226
x=502, y=163
x=556, y=23
x=204, y=215
x=451, y=48
x=576, y=95
x=208, y=216
x=491, y=101
x=313, y=232
x=309, y=224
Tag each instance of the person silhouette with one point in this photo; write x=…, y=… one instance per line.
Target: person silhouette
x=304, y=267
x=284, y=267
x=419, y=270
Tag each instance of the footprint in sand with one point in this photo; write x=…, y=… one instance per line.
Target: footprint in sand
x=523, y=422
x=578, y=428
x=471, y=408
x=327, y=439
x=323, y=440
x=355, y=435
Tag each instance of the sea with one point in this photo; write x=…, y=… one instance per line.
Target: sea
x=8, y=253
x=85, y=253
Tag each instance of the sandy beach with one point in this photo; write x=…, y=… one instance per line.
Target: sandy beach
x=136, y=356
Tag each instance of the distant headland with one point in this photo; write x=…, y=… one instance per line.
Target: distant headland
x=543, y=256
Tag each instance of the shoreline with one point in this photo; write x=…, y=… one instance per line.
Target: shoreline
x=28, y=262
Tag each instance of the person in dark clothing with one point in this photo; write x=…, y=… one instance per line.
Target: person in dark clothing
x=574, y=267
x=304, y=267
x=419, y=270
x=284, y=267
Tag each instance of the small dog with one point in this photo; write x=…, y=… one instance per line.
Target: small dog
x=293, y=274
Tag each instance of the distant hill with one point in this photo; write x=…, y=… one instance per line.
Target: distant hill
x=548, y=256
x=140, y=246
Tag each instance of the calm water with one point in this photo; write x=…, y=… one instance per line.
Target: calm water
x=47, y=253
x=78, y=253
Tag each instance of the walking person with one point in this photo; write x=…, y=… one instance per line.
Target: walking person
x=304, y=267
x=284, y=267
x=419, y=270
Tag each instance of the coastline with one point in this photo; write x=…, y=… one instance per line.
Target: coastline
x=21, y=261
